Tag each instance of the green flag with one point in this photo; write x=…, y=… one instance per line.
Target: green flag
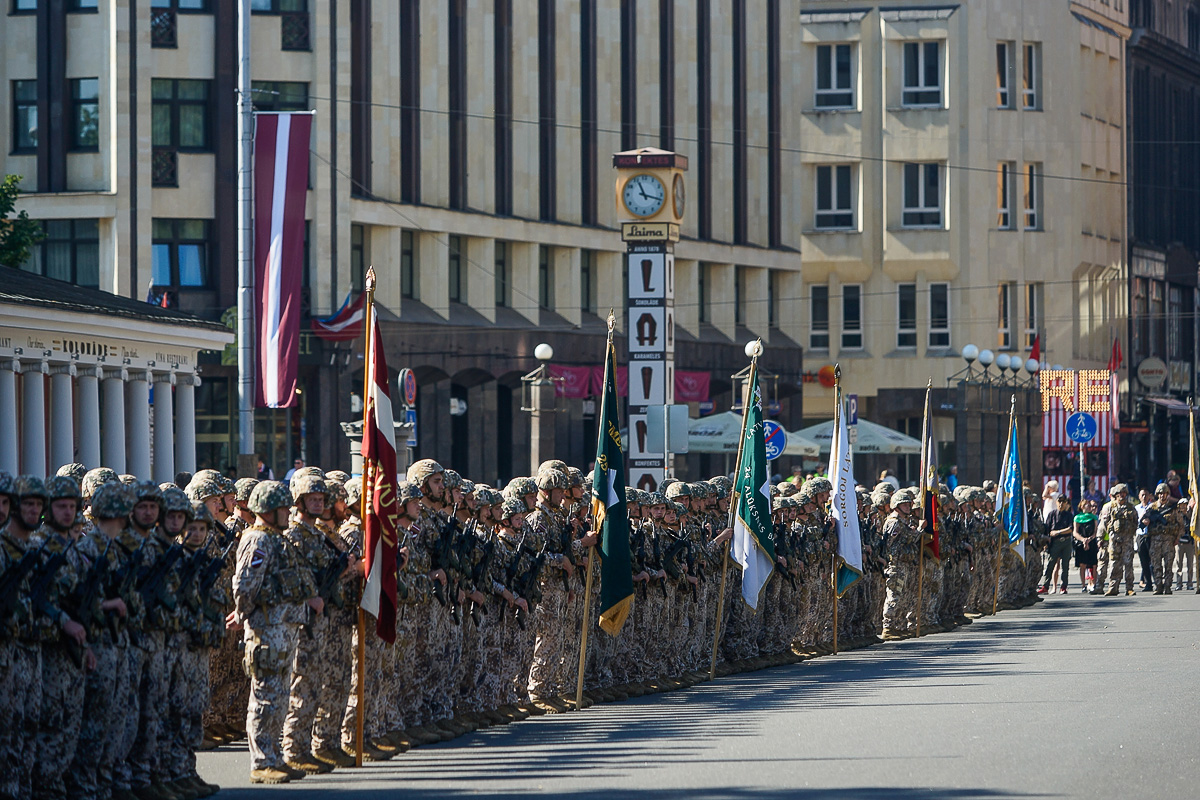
x=753, y=547
x=609, y=511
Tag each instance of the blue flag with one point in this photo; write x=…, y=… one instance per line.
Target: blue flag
x=1010, y=495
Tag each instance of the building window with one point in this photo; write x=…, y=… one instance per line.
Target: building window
x=739, y=295
x=83, y=5
x=85, y=114
x=922, y=196
x=773, y=298
x=1193, y=29
x=818, y=318
x=939, y=315
x=922, y=74
x=1174, y=323
x=503, y=292
x=408, y=267
x=70, y=252
x=180, y=114
x=410, y=101
x=24, y=6
x=1004, y=75
x=1031, y=86
x=179, y=253
x=277, y=6
x=1034, y=294
x=1004, y=195
x=587, y=281
x=503, y=98
x=1033, y=197
x=906, y=306
x=279, y=95
x=24, y=117
x=835, y=209
x=192, y=6
x=701, y=290
x=456, y=96
x=458, y=277
x=852, y=337
x=545, y=279
x=1157, y=310
x=547, y=111
x=1141, y=317
x=358, y=257
x=294, y=33
x=1004, y=313
x=835, y=88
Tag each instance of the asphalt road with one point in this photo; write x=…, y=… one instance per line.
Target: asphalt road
x=1079, y=696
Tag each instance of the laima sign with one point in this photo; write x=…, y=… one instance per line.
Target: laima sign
x=1089, y=390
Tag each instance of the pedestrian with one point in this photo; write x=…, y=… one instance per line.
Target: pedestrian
x=296, y=464
x=1060, y=524
x=265, y=473
x=1185, y=556
x=1141, y=542
x=952, y=478
x=1173, y=486
x=1050, y=495
x=1086, y=549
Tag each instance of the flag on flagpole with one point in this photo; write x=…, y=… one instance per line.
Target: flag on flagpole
x=280, y=188
x=1010, y=493
x=380, y=490
x=610, y=515
x=1193, y=473
x=1115, y=359
x=1035, y=352
x=345, y=324
x=930, y=481
x=844, y=501
x=753, y=549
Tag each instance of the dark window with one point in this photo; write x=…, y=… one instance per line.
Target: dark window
x=547, y=113
x=164, y=19
x=703, y=121
x=1004, y=82
x=503, y=101
x=666, y=74
x=774, y=125
x=922, y=74
x=180, y=114
x=193, y=6
x=739, y=295
x=818, y=315
x=358, y=256
x=408, y=267
x=85, y=114
x=410, y=101
x=1193, y=29
x=25, y=116
x=834, y=76
x=70, y=252
x=457, y=97
x=279, y=95
x=835, y=208
x=939, y=315
x=501, y=274
x=545, y=278
x=294, y=32
x=82, y=5
x=906, y=304
x=740, y=205
x=629, y=77
x=458, y=275
x=701, y=291
x=588, y=134
x=360, y=98
x=179, y=253
x=277, y=6
x=773, y=298
x=922, y=196
x=24, y=6
x=587, y=281
x=852, y=336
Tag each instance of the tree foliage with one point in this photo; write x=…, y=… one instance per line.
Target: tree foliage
x=18, y=233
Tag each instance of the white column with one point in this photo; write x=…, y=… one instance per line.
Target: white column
x=114, y=419
x=33, y=418
x=87, y=391
x=137, y=424
x=164, y=429
x=9, y=460
x=62, y=415
x=185, y=421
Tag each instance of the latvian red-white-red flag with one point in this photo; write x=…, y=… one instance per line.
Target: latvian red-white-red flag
x=380, y=489
x=345, y=324
x=280, y=186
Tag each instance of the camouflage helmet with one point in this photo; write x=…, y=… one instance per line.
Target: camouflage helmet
x=6, y=483
x=700, y=489
x=511, y=508
x=678, y=508
x=821, y=485
x=678, y=489
x=200, y=513
x=666, y=482
x=903, y=496
x=719, y=490
x=657, y=499
x=981, y=494
x=962, y=493
x=112, y=500
x=631, y=495
x=61, y=487
x=643, y=497
x=243, y=487
x=128, y=479
x=354, y=492
x=29, y=486
x=204, y=486
x=451, y=479
x=421, y=471
x=786, y=489
x=227, y=485
x=95, y=478
x=1162, y=488
x=407, y=490
x=75, y=470
x=337, y=475
x=989, y=486
x=307, y=484
x=175, y=499
x=550, y=479
x=465, y=486
x=554, y=464
x=884, y=487
x=269, y=496
x=147, y=490
x=1117, y=488
x=491, y=497
x=305, y=473
x=335, y=491
x=519, y=487
x=804, y=495
x=575, y=476
x=722, y=481
x=774, y=490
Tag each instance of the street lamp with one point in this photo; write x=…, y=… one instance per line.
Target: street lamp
x=970, y=353
x=543, y=352
x=1032, y=366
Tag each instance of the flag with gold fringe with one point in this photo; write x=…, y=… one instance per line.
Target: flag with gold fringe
x=609, y=513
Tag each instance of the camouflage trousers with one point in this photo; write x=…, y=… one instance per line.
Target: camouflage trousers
x=409, y=704
x=269, y=656
x=189, y=696
x=337, y=681
x=379, y=681
x=901, y=597
x=550, y=642
x=60, y=721
x=443, y=650
x=1162, y=560
x=230, y=688
x=20, y=709
x=153, y=707
x=130, y=703
x=91, y=773
x=310, y=666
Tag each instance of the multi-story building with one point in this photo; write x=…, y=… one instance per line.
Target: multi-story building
x=463, y=148
x=1164, y=232
x=963, y=173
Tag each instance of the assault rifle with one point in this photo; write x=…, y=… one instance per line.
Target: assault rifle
x=656, y=552
x=442, y=557
x=89, y=594
x=479, y=574
x=529, y=584
x=153, y=585
x=40, y=600
x=14, y=578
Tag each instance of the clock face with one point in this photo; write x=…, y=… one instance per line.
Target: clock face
x=679, y=196
x=644, y=195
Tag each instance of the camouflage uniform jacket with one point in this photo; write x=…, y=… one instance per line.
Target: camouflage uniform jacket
x=271, y=582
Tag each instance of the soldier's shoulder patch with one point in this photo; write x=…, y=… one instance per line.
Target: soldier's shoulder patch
x=257, y=557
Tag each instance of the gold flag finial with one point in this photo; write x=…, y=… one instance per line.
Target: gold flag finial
x=369, y=280
x=612, y=320
x=929, y=385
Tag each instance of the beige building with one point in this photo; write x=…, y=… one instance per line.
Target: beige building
x=963, y=169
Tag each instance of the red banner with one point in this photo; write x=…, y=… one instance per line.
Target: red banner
x=692, y=387
x=380, y=491
x=575, y=382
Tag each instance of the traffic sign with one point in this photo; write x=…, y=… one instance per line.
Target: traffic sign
x=851, y=409
x=410, y=418
x=1081, y=427
x=776, y=439
x=408, y=385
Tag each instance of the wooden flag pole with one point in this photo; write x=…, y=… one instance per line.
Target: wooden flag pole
x=587, y=586
x=926, y=457
x=835, y=449
x=920, y=584
x=833, y=585
x=733, y=501
x=361, y=652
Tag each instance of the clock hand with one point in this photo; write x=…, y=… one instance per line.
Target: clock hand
x=643, y=191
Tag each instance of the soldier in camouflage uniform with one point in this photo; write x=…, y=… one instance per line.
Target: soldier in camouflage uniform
x=1119, y=520
x=272, y=590
x=903, y=541
x=1163, y=538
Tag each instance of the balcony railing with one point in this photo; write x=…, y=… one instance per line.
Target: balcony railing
x=164, y=30
x=295, y=31
x=164, y=168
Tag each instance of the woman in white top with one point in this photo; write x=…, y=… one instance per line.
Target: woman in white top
x=1050, y=496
